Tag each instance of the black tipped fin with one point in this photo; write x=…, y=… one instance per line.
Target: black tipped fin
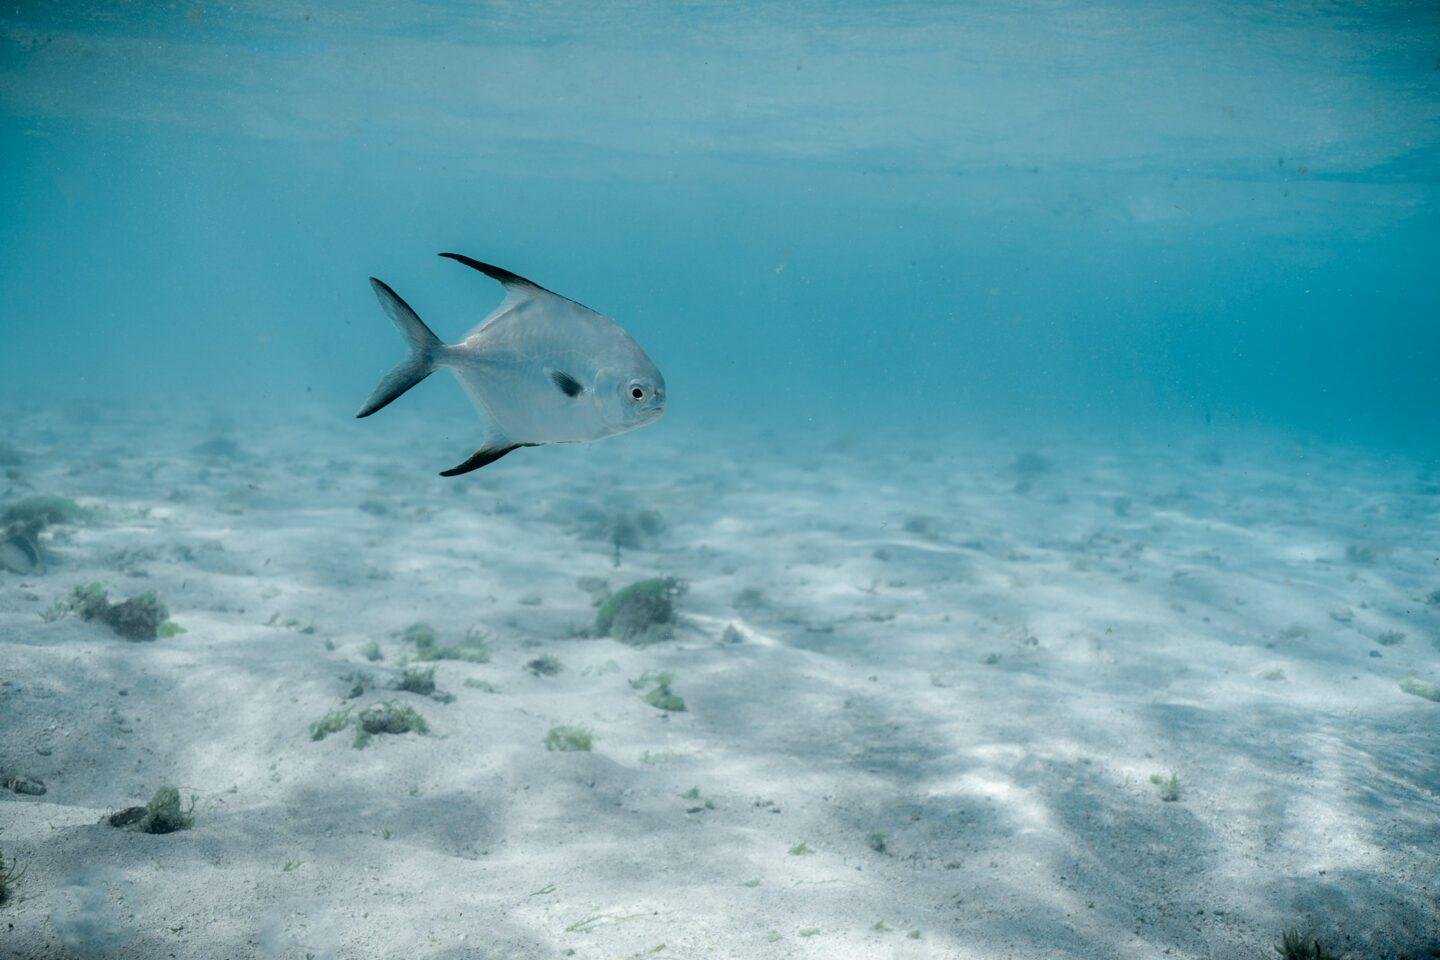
x=568, y=385
x=483, y=458
x=496, y=273
x=515, y=285
x=425, y=350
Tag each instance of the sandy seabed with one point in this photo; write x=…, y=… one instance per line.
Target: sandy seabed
x=928, y=688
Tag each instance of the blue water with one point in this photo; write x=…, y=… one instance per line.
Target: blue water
x=912, y=217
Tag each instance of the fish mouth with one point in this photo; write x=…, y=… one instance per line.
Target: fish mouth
x=642, y=417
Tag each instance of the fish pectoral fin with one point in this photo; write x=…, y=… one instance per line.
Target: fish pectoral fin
x=483, y=457
x=567, y=384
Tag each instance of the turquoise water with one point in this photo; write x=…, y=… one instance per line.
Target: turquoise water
x=907, y=217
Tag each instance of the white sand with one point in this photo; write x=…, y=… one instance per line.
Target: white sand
x=1014, y=796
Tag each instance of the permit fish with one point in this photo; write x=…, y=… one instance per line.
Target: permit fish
x=540, y=369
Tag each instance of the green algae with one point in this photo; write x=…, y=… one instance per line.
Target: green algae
x=139, y=618
x=545, y=665
x=475, y=648
x=333, y=722
x=642, y=613
x=414, y=680
x=660, y=695
x=163, y=814
x=1421, y=688
x=387, y=718
x=47, y=509
x=10, y=875
x=1297, y=946
x=566, y=739
x=1169, y=787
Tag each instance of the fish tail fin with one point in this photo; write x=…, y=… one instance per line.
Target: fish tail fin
x=426, y=350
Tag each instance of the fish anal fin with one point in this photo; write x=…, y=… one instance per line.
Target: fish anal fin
x=568, y=385
x=483, y=457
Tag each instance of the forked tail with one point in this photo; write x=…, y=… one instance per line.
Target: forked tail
x=426, y=350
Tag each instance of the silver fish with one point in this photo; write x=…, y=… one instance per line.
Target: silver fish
x=540, y=369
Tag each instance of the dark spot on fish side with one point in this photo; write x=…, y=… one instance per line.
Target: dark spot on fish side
x=568, y=385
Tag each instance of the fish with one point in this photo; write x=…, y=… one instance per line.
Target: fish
x=540, y=369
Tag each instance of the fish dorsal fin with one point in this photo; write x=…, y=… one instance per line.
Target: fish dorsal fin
x=513, y=282
x=517, y=288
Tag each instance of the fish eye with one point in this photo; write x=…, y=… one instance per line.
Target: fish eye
x=637, y=392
